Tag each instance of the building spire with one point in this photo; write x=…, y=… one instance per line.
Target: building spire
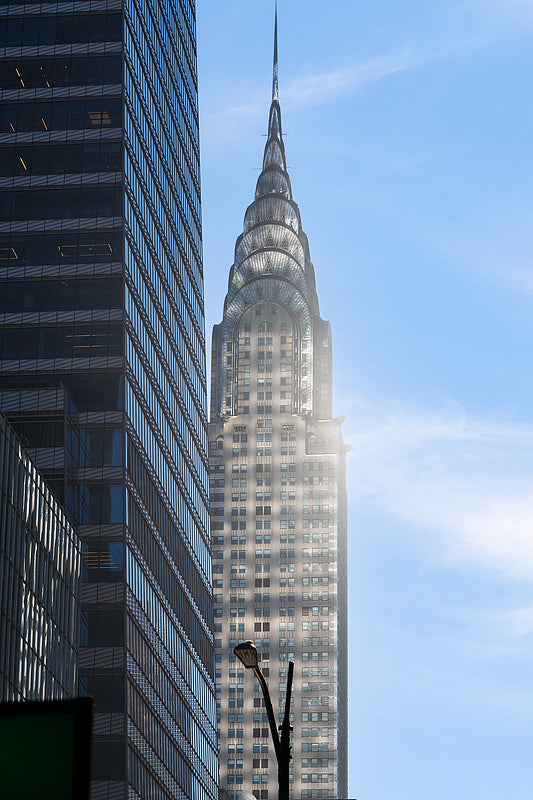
x=275, y=64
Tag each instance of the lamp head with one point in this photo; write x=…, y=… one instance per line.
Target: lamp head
x=247, y=654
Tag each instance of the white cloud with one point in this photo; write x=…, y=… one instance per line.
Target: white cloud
x=516, y=622
x=467, y=484
x=509, y=266
x=497, y=244
x=510, y=11
x=317, y=88
x=313, y=89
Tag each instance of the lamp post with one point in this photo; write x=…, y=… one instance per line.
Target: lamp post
x=247, y=653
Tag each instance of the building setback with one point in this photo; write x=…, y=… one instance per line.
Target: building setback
x=102, y=360
x=40, y=570
x=278, y=501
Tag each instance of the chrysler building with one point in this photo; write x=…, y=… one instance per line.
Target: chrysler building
x=278, y=501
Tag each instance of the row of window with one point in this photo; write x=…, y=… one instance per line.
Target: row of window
x=308, y=466
x=244, y=396
x=231, y=779
x=60, y=295
x=59, y=115
x=218, y=511
x=61, y=248
x=64, y=29
x=284, y=524
x=262, y=340
x=236, y=497
x=283, y=366
x=282, y=597
x=283, y=581
x=241, y=612
x=47, y=73
x=68, y=203
x=256, y=748
x=69, y=158
x=265, y=582
x=261, y=480
x=283, y=538
x=244, y=384
x=61, y=342
x=263, y=410
x=305, y=671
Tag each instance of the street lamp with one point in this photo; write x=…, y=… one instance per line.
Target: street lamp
x=247, y=653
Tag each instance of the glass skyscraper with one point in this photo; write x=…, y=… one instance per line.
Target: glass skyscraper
x=40, y=570
x=278, y=502
x=102, y=359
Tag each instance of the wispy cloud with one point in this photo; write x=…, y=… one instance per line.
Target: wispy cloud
x=316, y=88
x=517, y=622
x=502, y=257
x=497, y=242
x=465, y=483
x=504, y=11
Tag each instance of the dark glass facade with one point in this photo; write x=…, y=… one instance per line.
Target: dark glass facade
x=40, y=569
x=102, y=360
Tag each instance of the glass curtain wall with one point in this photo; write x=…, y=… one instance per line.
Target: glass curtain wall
x=40, y=567
x=102, y=362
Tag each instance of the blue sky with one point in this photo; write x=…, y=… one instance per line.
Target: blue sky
x=408, y=130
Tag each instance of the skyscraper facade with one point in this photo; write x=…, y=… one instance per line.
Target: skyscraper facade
x=102, y=359
x=40, y=571
x=278, y=501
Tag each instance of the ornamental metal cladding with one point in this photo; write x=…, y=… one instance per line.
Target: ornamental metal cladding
x=102, y=360
x=278, y=501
